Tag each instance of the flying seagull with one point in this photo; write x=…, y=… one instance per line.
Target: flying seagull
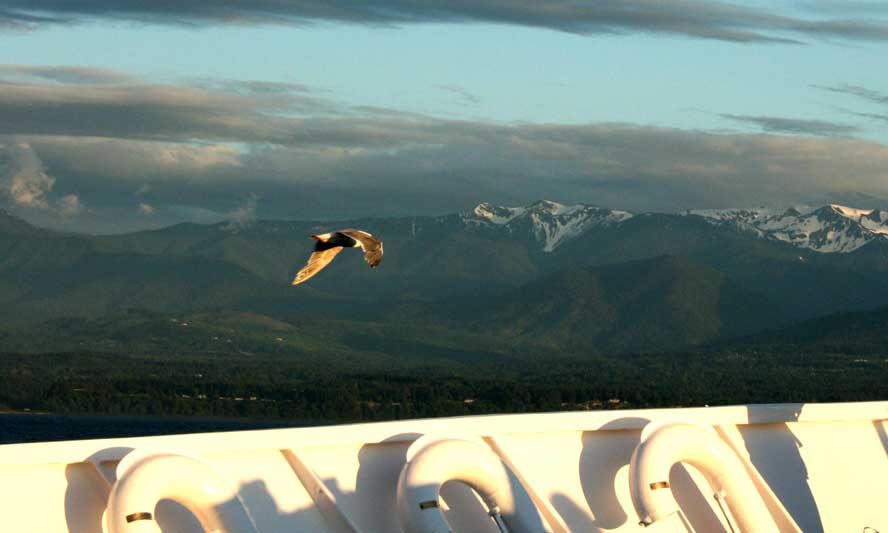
x=330, y=244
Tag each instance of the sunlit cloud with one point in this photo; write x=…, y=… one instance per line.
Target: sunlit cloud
x=23, y=177
x=134, y=160
x=69, y=205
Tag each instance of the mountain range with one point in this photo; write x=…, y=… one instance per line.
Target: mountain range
x=493, y=282
x=828, y=229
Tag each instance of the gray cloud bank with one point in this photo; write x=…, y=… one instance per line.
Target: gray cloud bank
x=142, y=155
x=694, y=18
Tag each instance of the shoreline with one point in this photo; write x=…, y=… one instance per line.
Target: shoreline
x=171, y=418
x=18, y=427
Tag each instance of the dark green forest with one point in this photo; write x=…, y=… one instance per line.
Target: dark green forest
x=275, y=387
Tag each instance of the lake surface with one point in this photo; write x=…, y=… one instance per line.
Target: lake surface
x=24, y=427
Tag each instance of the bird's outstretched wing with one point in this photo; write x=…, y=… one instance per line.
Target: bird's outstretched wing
x=373, y=257
x=371, y=245
x=316, y=263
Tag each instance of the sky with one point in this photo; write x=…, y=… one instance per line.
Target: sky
x=126, y=115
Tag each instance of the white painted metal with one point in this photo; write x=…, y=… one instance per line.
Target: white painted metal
x=445, y=460
x=817, y=467
x=674, y=443
x=187, y=481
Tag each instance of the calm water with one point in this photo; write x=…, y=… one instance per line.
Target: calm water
x=35, y=428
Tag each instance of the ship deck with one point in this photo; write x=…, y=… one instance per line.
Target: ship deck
x=816, y=467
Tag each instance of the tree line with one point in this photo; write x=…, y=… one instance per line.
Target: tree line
x=108, y=383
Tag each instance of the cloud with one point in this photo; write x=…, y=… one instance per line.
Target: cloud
x=156, y=112
x=65, y=74
x=846, y=7
x=639, y=168
x=881, y=117
x=176, y=113
x=707, y=19
x=17, y=19
x=70, y=205
x=23, y=178
x=196, y=151
x=245, y=214
x=863, y=93
x=26, y=184
x=821, y=128
x=254, y=86
x=467, y=97
x=131, y=160
x=616, y=165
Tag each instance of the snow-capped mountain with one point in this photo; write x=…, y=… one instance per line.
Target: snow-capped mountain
x=551, y=223
x=829, y=229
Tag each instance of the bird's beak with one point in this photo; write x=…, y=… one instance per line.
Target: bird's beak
x=315, y=237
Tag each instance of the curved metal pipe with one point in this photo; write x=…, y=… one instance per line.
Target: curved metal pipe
x=455, y=460
x=669, y=444
x=187, y=481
